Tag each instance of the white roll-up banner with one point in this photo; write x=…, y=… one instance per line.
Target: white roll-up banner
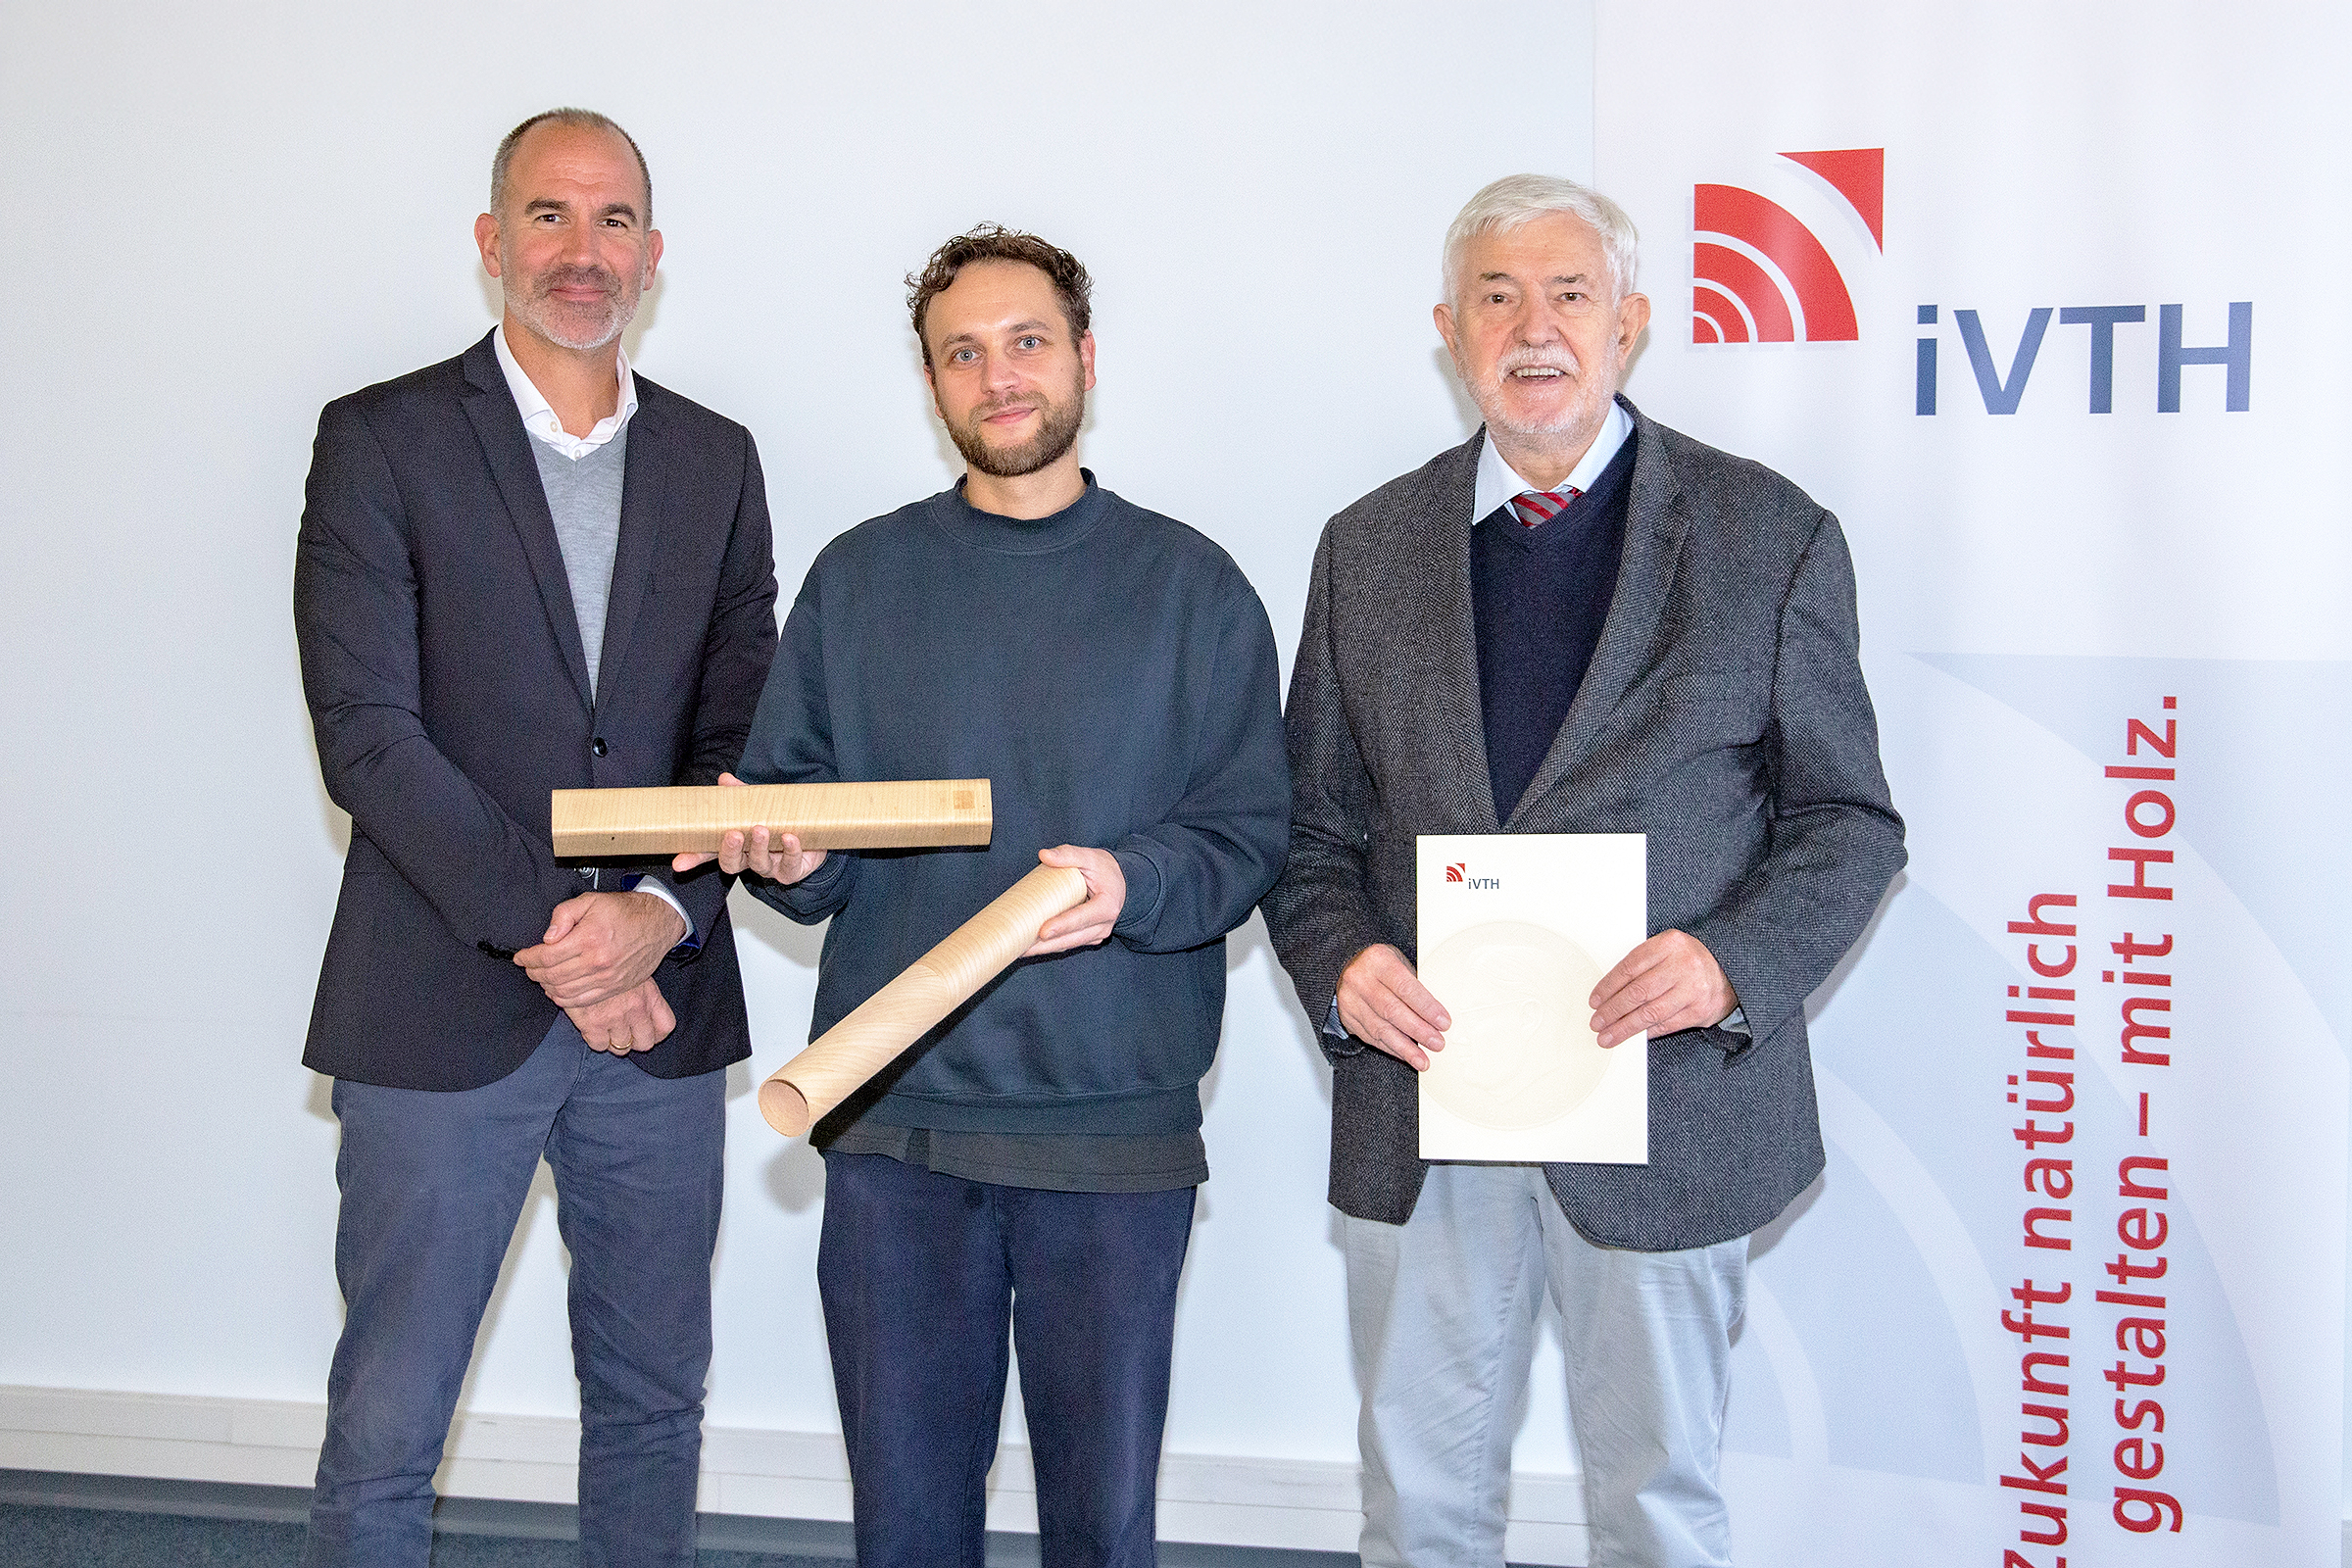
x=2042, y=303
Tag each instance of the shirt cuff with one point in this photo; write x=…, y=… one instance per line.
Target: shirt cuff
x=642, y=882
x=1337, y=1040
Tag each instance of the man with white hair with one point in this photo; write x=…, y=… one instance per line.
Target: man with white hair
x=1577, y=621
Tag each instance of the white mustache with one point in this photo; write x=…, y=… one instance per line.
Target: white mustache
x=1536, y=358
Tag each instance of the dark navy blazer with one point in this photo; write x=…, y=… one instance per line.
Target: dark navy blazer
x=448, y=691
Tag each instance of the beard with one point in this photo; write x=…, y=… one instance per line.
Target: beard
x=1056, y=434
x=573, y=325
x=1487, y=392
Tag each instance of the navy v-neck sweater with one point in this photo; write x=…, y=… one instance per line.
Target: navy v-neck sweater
x=1539, y=598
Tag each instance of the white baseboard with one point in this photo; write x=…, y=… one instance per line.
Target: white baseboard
x=793, y=1475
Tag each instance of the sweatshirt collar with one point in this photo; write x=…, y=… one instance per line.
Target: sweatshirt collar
x=1023, y=536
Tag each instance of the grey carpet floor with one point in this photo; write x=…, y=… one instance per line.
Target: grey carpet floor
x=42, y=1536
x=55, y=1519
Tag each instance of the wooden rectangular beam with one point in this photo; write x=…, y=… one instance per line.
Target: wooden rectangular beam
x=906, y=814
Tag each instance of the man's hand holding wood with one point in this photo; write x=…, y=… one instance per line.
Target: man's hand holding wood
x=779, y=858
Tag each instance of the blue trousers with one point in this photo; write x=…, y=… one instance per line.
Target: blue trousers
x=923, y=1278
x=432, y=1183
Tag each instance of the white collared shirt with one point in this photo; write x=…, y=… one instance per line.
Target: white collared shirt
x=539, y=416
x=1498, y=481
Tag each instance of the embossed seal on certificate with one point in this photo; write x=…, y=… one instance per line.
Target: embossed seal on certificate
x=1523, y=1054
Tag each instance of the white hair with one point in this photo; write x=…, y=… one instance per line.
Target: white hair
x=1518, y=199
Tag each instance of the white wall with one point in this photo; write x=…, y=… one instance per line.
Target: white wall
x=223, y=218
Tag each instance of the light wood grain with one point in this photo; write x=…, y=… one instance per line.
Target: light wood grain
x=895, y=1017
x=908, y=814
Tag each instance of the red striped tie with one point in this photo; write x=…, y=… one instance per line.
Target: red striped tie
x=1534, y=507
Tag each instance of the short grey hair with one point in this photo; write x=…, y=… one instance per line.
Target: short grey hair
x=579, y=120
x=1518, y=199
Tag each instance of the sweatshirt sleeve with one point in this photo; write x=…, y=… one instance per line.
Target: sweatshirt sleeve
x=791, y=742
x=1196, y=875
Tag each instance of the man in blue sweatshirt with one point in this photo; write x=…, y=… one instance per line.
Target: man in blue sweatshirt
x=1030, y=1164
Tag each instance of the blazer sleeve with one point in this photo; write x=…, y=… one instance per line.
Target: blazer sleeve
x=738, y=647
x=355, y=621
x=791, y=742
x=1834, y=840
x=1320, y=914
x=1196, y=875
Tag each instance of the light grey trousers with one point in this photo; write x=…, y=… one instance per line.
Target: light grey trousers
x=1444, y=1309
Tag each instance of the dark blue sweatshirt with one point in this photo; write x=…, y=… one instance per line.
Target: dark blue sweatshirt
x=1114, y=675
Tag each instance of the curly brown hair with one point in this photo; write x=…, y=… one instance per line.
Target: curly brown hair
x=994, y=242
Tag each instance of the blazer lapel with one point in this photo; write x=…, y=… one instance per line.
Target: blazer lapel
x=1655, y=522
x=1441, y=643
x=642, y=488
x=506, y=446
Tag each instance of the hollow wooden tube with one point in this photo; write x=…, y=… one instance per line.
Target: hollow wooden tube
x=872, y=1037
x=883, y=814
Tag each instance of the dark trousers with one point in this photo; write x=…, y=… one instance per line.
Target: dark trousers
x=923, y=1278
x=432, y=1185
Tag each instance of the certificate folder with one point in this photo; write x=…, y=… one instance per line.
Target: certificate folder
x=1516, y=930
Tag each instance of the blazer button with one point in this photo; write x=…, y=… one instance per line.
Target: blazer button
x=597, y=746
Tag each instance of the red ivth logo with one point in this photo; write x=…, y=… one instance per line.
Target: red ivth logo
x=1453, y=874
x=1760, y=275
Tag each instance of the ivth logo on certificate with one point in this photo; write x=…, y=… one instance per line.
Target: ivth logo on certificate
x=1515, y=931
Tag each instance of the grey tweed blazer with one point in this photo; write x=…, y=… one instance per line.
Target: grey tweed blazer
x=1724, y=715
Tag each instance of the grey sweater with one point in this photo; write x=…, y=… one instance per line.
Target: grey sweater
x=1113, y=674
x=584, y=496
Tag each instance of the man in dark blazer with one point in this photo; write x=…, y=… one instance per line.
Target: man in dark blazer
x=1577, y=621
x=522, y=569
